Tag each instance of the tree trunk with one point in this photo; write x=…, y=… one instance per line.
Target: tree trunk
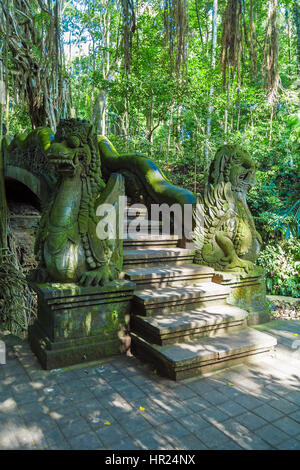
x=252, y=42
x=270, y=65
x=296, y=17
x=213, y=64
x=3, y=205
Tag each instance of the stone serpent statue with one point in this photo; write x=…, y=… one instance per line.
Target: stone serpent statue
x=225, y=236
x=67, y=246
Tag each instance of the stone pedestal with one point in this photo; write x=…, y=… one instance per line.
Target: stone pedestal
x=80, y=324
x=248, y=291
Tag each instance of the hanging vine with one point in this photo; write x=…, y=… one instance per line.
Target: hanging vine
x=231, y=39
x=32, y=33
x=176, y=27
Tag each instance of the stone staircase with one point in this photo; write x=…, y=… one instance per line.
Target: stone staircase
x=180, y=319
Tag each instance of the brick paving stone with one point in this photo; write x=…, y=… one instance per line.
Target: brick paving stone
x=267, y=412
x=248, y=401
x=200, y=386
x=184, y=393
x=124, y=444
x=32, y=409
x=252, y=442
x=25, y=438
x=98, y=418
x=110, y=434
x=120, y=383
x=194, y=422
x=271, y=434
x=57, y=401
x=294, y=396
x=74, y=427
x=251, y=421
x=212, y=437
x=173, y=407
x=214, y=415
x=132, y=393
x=65, y=376
x=232, y=428
x=73, y=386
x=9, y=441
x=140, y=380
x=157, y=416
x=80, y=395
x=290, y=444
x=120, y=410
x=188, y=442
x=173, y=430
x=64, y=414
x=135, y=424
x=102, y=390
x=55, y=439
x=41, y=420
x=110, y=399
x=86, y=441
x=230, y=391
x=283, y=405
x=296, y=415
x=231, y=445
x=151, y=440
x=288, y=425
x=215, y=397
x=232, y=408
x=50, y=390
x=27, y=397
x=198, y=404
x=68, y=409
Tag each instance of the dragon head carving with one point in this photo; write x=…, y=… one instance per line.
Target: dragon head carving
x=67, y=245
x=75, y=149
x=233, y=164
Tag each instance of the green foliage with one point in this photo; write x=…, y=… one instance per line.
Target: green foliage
x=164, y=115
x=281, y=262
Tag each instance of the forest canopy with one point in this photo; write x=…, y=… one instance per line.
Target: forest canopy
x=173, y=79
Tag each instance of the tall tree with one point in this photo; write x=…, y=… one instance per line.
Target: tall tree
x=270, y=60
x=296, y=16
x=213, y=64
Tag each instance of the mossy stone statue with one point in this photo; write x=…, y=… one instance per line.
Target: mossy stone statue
x=67, y=246
x=225, y=235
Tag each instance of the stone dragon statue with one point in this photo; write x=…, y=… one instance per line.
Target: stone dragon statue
x=67, y=246
x=225, y=236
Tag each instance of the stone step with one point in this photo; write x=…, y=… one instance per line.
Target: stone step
x=143, y=223
x=182, y=326
x=133, y=212
x=168, y=275
x=156, y=256
x=149, y=301
x=142, y=227
x=150, y=241
x=187, y=359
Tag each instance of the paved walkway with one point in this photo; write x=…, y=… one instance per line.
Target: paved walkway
x=121, y=403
